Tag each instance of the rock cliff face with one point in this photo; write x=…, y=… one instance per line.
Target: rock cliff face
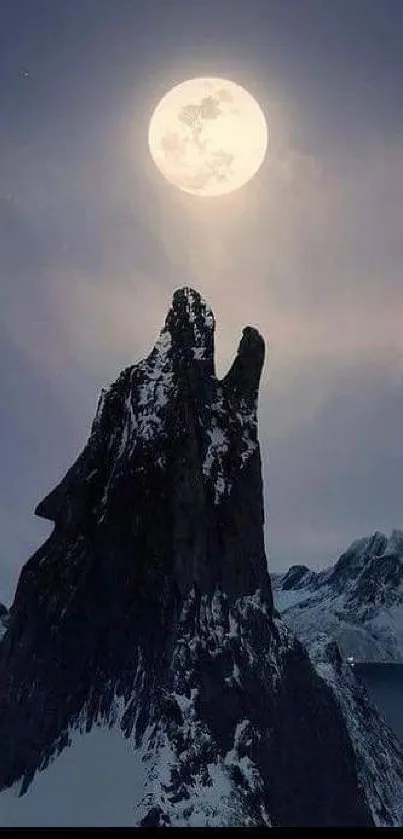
x=149, y=610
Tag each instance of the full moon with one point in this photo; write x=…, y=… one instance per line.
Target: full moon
x=208, y=136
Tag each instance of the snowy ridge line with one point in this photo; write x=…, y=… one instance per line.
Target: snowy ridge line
x=358, y=601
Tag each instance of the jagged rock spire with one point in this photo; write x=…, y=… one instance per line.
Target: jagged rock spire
x=191, y=324
x=169, y=423
x=242, y=380
x=149, y=608
x=165, y=498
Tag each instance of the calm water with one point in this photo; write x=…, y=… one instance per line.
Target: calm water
x=384, y=683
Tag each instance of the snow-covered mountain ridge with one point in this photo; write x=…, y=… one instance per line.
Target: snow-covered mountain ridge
x=358, y=601
x=143, y=662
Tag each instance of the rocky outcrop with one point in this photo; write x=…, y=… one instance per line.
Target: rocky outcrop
x=149, y=608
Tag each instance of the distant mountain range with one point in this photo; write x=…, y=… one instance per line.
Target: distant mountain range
x=358, y=602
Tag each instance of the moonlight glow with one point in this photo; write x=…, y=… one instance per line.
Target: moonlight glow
x=208, y=136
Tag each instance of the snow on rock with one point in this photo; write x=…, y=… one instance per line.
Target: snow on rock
x=204, y=773
x=3, y=620
x=358, y=602
x=378, y=751
x=214, y=460
x=144, y=678
x=94, y=782
x=219, y=443
x=209, y=755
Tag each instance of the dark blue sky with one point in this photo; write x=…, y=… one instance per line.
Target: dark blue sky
x=93, y=242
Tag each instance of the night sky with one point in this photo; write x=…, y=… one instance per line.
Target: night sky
x=93, y=242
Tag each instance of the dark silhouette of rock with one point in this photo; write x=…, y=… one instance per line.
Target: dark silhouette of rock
x=153, y=590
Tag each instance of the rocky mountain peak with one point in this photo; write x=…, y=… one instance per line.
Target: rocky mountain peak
x=369, y=569
x=359, y=599
x=356, y=558
x=165, y=498
x=168, y=430
x=149, y=609
x=191, y=325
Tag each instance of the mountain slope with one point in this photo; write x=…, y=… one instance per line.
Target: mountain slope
x=148, y=614
x=358, y=602
x=379, y=754
x=3, y=620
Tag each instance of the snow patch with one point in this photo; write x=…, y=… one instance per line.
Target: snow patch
x=94, y=782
